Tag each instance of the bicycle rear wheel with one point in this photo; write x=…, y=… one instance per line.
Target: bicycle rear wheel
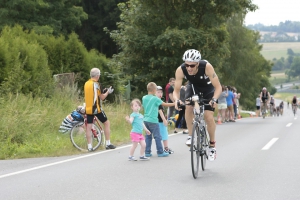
x=78, y=137
x=195, y=150
x=294, y=110
x=203, y=147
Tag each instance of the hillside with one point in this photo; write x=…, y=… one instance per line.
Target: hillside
x=278, y=49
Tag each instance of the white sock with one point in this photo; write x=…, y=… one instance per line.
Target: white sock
x=107, y=142
x=90, y=146
x=189, y=136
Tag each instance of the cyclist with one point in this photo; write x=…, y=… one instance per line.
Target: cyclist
x=264, y=99
x=294, y=103
x=202, y=76
x=272, y=105
x=281, y=105
x=93, y=95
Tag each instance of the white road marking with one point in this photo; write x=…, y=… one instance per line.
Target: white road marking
x=289, y=124
x=267, y=146
x=68, y=160
x=60, y=162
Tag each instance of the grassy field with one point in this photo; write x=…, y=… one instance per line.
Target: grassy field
x=279, y=49
x=279, y=77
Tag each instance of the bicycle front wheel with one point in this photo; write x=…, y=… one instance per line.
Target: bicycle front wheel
x=203, y=147
x=79, y=140
x=195, y=150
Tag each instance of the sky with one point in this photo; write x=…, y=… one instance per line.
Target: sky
x=272, y=12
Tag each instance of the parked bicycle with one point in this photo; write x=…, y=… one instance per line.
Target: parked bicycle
x=78, y=135
x=200, y=138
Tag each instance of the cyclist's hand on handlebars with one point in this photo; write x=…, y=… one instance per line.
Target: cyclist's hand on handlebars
x=213, y=103
x=178, y=105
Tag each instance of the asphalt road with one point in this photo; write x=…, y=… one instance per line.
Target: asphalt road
x=246, y=168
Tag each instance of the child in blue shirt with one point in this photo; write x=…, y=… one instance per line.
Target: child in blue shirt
x=151, y=103
x=163, y=123
x=136, y=134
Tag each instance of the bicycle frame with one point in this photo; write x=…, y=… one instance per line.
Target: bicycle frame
x=96, y=122
x=199, y=141
x=264, y=109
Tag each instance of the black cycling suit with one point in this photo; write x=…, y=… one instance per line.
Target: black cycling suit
x=201, y=83
x=264, y=96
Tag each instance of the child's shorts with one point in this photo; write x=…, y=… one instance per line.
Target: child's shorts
x=136, y=137
x=163, y=131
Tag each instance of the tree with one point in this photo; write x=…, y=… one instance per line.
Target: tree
x=295, y=68
x=43, y=16
x=25, y=67
x=290, y=52
x=154, y=34
x=104, y=13
x=245, y=68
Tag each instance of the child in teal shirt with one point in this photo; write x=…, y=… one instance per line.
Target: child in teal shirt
x=136, y=134
x=151, y=103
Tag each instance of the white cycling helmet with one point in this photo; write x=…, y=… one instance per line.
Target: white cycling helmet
x=191, y=55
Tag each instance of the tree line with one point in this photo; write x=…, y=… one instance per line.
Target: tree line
x=281, y=30
x=139, y=41
x=287, y=26
x=291, y=65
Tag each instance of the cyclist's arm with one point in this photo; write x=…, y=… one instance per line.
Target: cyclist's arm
x=210, y=72
x=179, y=76
x=269, y=98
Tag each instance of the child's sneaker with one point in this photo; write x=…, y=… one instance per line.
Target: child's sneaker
x=144, y=158
x=169, y=151
x=163, y=154
x=132, y=158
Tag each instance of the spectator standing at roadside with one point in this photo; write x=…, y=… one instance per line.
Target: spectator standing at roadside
x=258, y=106
x=136, y=133
x=222, y=103
x=236, y=101
x=181, y=112
x=229, y=111
x=167, y=88
x=151, y=104
x=92, y=96
x=171, y=99
x=163, y=123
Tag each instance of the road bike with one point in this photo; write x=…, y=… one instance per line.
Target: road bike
x=200, y=138
x=264, y=109
x=273, y=111
x=294, y=107
x=78, y=135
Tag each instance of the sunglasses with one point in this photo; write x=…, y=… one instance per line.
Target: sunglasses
x=191, y=66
